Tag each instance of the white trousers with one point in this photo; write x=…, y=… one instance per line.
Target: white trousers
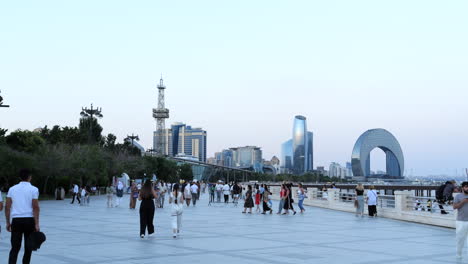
x=176, y=221
x=118, y=200
x=462, y=233
x=109, y=200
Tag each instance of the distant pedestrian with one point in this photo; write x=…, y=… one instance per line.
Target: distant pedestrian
x=265, y=195
x=110, y=190
x=219, y=191
x=84, y=196
x=372, y=198
x=177, y=201
x=22, y=208
x=258, y=198
x=226, y=192
x=248, y=204
x=163, y=193
x=212, y=189
x=360, y=199
x=187, y=194
x=194, y=190
x=301, y=195
x=119, y=193
x=133, y=195
x=448, y=191
x=76, y=194
x=282, y=199
x=236, y=190
x=461, y=204
x=146, y=196
x=288, y=202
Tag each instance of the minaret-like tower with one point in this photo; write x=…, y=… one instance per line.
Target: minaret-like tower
x=160, y=113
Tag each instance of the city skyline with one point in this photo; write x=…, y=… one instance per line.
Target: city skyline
x=243, y=70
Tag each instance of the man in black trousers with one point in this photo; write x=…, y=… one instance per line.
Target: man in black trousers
x=22, y=208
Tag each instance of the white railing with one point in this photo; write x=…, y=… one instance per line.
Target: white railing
x=402, y=206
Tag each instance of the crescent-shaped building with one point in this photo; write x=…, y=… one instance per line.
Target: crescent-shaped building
x=377, y=138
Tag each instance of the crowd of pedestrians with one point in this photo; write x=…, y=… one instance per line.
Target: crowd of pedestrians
x=22, y=206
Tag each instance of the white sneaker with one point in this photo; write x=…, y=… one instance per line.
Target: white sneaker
x=142, y=236
x=150, y=235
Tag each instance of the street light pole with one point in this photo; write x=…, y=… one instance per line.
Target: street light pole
x=91, y=113
x=133, y=137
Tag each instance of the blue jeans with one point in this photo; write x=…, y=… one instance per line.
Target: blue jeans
x=300, y=204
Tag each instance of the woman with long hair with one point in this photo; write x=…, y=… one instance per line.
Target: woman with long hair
x=146, y=196
x=257, y=197
x=301, y=195
x=360, y=200
x=288, y=203
x=248, y=200
x=282, y=198
x=177, y=201
x=265, y=199
x=133, y=195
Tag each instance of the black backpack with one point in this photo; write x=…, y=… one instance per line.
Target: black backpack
x=440, y=192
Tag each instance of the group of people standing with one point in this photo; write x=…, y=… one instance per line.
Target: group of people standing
x=371, y=199
x=81, y=194
x=262, y=195
x=225, y=190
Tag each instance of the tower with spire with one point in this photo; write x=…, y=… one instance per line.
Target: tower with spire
x=160, y=114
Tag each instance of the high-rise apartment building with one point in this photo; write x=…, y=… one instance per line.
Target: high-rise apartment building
x=249, y=156
x=183, y=139
x=298, y=153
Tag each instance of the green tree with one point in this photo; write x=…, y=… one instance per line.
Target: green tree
x=90, y=127
x=26, y=141
x=185, y=172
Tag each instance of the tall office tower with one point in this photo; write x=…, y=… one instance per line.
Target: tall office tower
x=185, y=140
x=286, y=157
x=297, y=153
x=161, y=114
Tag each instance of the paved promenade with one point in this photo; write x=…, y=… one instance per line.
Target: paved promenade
x=221, y=234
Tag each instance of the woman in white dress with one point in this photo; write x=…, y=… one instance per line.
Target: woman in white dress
x=177, y=201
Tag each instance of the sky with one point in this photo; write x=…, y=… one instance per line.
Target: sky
x=243, y=69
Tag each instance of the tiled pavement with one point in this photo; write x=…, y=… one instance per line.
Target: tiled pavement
x=221, y=234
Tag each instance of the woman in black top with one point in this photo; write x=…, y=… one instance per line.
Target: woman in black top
x=147, y=194
x=360, y=200
x=288, y=203
x=248, y=200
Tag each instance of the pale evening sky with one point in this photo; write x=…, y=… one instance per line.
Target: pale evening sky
x=243, y=69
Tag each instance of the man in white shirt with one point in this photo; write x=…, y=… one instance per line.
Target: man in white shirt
x=22, y=208
x=194, y=190
x=76, y=190
x=372, y=198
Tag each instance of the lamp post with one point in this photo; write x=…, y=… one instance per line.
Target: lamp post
x=132, y=138
x=1, y=102
x=150, y=151
x=91, y=113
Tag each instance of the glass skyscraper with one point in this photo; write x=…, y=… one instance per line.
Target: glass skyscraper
x=297, y=153
x=183, y=139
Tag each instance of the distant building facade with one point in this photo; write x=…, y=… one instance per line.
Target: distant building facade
x=184, y=140
x=240, y=157
x=297, y=154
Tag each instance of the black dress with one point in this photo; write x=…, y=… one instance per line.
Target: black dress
x=248, y=200
x=288, y=202
x=146, y=216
